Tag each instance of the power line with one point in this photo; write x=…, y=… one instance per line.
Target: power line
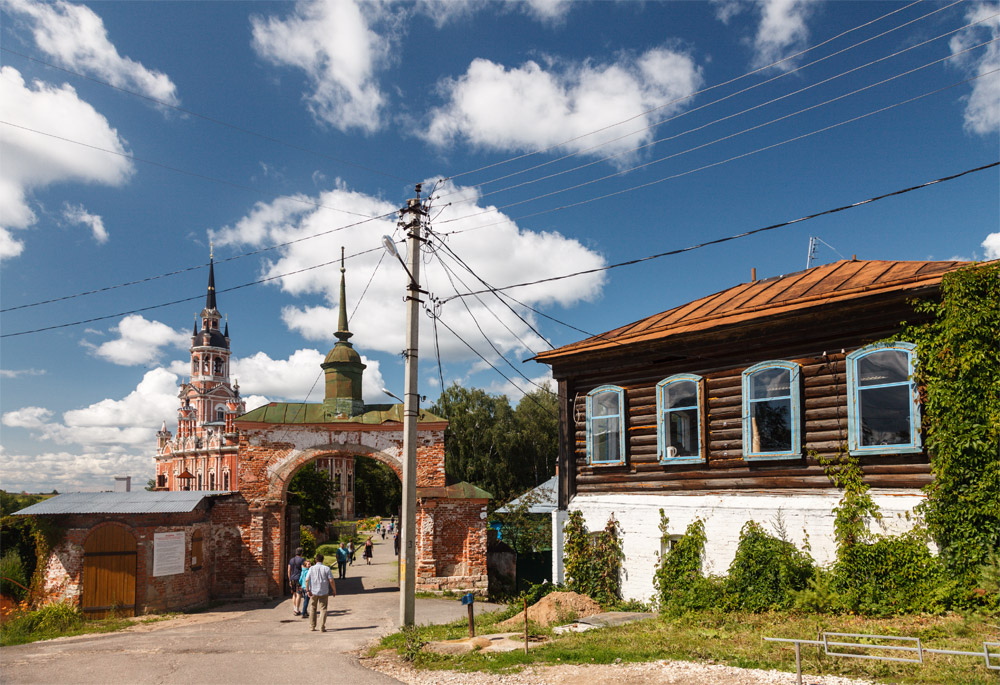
x=688, y=131
x=204, y=117
x=186, y=299
x=724, y=161
x=179, y=171
x=686, y=97
x=731, y=237
x=729, y=137
x=716, y=101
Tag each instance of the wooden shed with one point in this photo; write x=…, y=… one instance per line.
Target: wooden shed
x=720, y=408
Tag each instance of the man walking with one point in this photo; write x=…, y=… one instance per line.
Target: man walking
x=321, y=587
x=342, y=556
x=294, y=572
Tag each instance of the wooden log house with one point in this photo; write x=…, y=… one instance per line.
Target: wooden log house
x=721, y=408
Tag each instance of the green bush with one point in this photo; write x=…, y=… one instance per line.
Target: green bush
x=891, y=575
x=593, y=564
x=13, y=578
x=766, y=571
x=680, y=585
x=329, y=552
x=50, y=621
x=307, y=541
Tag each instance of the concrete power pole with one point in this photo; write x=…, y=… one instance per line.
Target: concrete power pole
x=408, y=552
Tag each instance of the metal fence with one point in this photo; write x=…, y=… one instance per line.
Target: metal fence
x=908, y=649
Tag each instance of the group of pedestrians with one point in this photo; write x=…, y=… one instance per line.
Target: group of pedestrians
x=312, y=586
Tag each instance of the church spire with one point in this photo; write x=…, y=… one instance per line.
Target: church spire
x=210, y=296
x=343, y=334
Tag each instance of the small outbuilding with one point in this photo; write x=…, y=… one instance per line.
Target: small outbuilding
x=137, y=552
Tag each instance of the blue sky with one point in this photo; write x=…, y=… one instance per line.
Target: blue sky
x=556, y=136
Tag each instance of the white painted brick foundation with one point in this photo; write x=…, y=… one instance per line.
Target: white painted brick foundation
x=804, y=513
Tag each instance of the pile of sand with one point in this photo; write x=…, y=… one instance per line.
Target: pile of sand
x=555, y=607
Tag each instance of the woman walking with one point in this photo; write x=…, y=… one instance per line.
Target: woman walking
x=369, y=548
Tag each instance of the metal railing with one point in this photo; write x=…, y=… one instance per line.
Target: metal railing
x=912, y=645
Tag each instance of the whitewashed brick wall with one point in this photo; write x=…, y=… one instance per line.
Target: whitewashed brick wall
x=803, y=512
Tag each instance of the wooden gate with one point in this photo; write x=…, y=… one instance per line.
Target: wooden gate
x=109, y=573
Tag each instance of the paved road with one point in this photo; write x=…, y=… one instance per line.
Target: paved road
x=245, y=643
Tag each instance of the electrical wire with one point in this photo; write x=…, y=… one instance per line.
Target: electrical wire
x=724, y=161
x=714, y=102
x=219, y=122
x=686, y=97
x=180, y=171
x=731, y=136
x=729, y=238
x=725, y=118
x=186, y=299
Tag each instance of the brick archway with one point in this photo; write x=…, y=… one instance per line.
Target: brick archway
x=282, y=472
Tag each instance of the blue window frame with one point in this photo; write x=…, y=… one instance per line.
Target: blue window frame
x=883, y=408
x=772, y=411
x=678, y=420
x=605, y=425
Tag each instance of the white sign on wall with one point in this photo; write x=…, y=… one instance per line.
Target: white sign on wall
x=168, y=553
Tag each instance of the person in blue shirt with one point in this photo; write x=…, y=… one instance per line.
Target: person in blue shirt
x=304, y=588
x=342, y=558
x=320, y=585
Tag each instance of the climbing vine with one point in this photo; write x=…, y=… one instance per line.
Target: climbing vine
x=958, y=369
x=593, y=563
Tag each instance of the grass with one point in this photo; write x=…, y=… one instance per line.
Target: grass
x=55, y=620
x=734, y=639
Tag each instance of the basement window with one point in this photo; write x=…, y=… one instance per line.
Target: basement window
x=771, y=411
x=605, y=418
x=678, y=425
x=883, y=408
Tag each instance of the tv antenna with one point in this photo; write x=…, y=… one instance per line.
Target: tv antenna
x=813, y=240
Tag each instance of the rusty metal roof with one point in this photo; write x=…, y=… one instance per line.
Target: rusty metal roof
x=303, y=412
x=135, y=502
x=837, y=282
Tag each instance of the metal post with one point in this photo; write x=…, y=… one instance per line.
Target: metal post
x=408, y=556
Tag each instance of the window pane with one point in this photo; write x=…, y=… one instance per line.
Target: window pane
x=680, y=394
x=605, y=404
x=771, y=426
x=604, y=438
x=885, y=415
x=879, y=368
x=770, y=383
x=682, y=431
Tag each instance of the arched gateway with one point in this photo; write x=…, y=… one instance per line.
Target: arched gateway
x=278, y=439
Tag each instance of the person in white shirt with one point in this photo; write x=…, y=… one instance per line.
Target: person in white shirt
x=320, y=587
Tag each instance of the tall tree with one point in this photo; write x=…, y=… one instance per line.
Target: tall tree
x=312, y=490
x=377, y=489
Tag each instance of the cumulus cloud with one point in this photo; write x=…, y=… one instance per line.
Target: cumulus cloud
x=140, y=341
x=782, y=30
x=76, y=214
x=982, y=106
x=27, y=417
x=517, y=387
x=992, y=246
x=532, y=107
x=292, y=379
x=503, y=254
x=335, y=44
x=33, y=161
x=75, y=37
x=72, y=471
x=547, y=10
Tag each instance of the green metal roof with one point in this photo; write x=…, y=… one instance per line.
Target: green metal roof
x=302, y=412
x=461, y=490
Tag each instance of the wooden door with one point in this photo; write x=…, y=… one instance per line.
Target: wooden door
x=109, y=573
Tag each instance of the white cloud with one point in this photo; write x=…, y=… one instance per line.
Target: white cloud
x=532, y=107
x=516, y=389
x=75, y=36
x=782, y=30
x=725, y=10
x=336, y=46
x=547, y=10
x=27, y=417
x=502, y=254
x=292, y=379
x=14, y=373
x=992, y=246
x=982, y=107
x=77, y=214
x=32, y=160
x=140, y=341
x=73, y=472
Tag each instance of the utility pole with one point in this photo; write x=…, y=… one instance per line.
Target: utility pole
x=408, y=553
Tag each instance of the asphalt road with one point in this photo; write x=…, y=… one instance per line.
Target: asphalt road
x=245, y=643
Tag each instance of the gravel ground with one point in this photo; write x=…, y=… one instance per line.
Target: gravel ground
x=651, y=673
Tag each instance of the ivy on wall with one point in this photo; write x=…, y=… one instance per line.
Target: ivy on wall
x=958, y=369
